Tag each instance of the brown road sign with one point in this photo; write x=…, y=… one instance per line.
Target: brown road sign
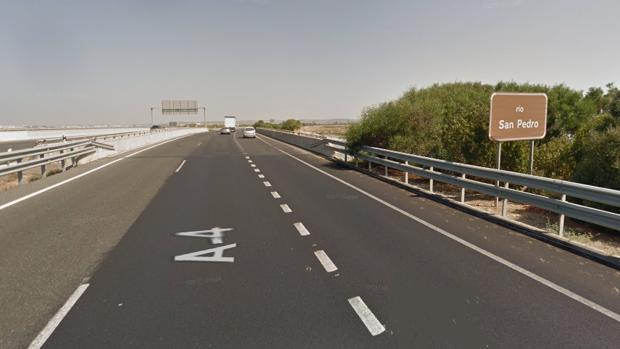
x=518, y=116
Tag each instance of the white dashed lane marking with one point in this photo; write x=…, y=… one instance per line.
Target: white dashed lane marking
x=275, y=195
x=180, y=166
x=326, y=262
x=261, y=176
x=368, y=318
x=285, y=208
x=253, y=165
x=301, y=229
x=256, y=170
x=267, y=184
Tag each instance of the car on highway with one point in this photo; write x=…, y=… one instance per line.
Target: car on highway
x=224, y=131
x=249, y=132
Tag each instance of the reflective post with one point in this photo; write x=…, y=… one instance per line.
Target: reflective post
x=463, y=190
x=407, y=173
x=561, y=226
x=431, y=182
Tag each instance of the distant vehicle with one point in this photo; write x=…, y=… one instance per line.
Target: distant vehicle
x=155, y=127
x=249, y=132
x=231, y=123
x=225, y=131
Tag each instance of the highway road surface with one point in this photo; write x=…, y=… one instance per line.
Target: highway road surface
x=215, y=241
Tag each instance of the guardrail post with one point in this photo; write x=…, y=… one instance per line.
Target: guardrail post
x=20, y=174
x=369, y=165
x=386, y=168
x=430, y=182
x=463, y=189
x=505, y=202
x=63, y=162
x=42, y=166
x=561, y=225
x=407, y=173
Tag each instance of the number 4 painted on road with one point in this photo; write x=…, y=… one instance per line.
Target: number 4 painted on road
x=199, y=256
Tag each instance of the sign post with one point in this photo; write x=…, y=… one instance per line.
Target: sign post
x=516, y=117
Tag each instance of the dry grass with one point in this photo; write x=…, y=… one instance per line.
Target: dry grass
x=328, y=130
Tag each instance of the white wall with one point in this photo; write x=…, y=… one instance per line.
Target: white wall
x=8, y=136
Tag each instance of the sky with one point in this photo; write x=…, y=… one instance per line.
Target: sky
x=108, y=61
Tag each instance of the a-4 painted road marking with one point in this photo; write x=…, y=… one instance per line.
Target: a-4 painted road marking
x=267, y=184
x=301, y=229
x=217, y=255
x=57, y=318
x=180, y=166
x=285, y=208
x=215, y=234
x=326, y=262
x=365, y=314
x=566, y=292
x=261, y=176
x=275, y=195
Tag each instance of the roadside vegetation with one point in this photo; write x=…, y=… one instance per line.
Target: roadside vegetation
x=287, y=125
x=450, y=122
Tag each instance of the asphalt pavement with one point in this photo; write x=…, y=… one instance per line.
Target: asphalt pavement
x=253, y=243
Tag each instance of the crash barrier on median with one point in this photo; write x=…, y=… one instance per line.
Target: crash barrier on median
x=69, y=154
x=476, y=178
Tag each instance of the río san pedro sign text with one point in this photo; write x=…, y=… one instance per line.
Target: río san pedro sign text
x=518, y=116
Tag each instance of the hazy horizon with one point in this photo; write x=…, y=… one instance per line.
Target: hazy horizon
x=82, y=62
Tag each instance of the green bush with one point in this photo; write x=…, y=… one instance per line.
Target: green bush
x=450, y=121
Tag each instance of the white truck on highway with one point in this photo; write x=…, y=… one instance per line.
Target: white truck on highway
x=230, y=122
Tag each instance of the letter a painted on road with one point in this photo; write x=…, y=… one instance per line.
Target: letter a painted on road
x=217, y=255
x=215, y=234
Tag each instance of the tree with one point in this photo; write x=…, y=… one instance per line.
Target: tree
x=291, y=125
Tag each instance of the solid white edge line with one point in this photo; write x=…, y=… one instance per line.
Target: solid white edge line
x=261, y=176
x=38, y=192
x=285, y=208
x=275, y=195
x=568, y=293
x=47, y=331
x=301, y=228
x=326, y=262
x=267, y=184
x=365, y=314
x=180, y=166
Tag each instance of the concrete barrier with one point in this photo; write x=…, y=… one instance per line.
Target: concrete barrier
x=127, y=144
x=11, y=136
x=312, y=143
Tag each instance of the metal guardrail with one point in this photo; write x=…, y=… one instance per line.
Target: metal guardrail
x=101, y=137
x=21, y=160
x=470, y=177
